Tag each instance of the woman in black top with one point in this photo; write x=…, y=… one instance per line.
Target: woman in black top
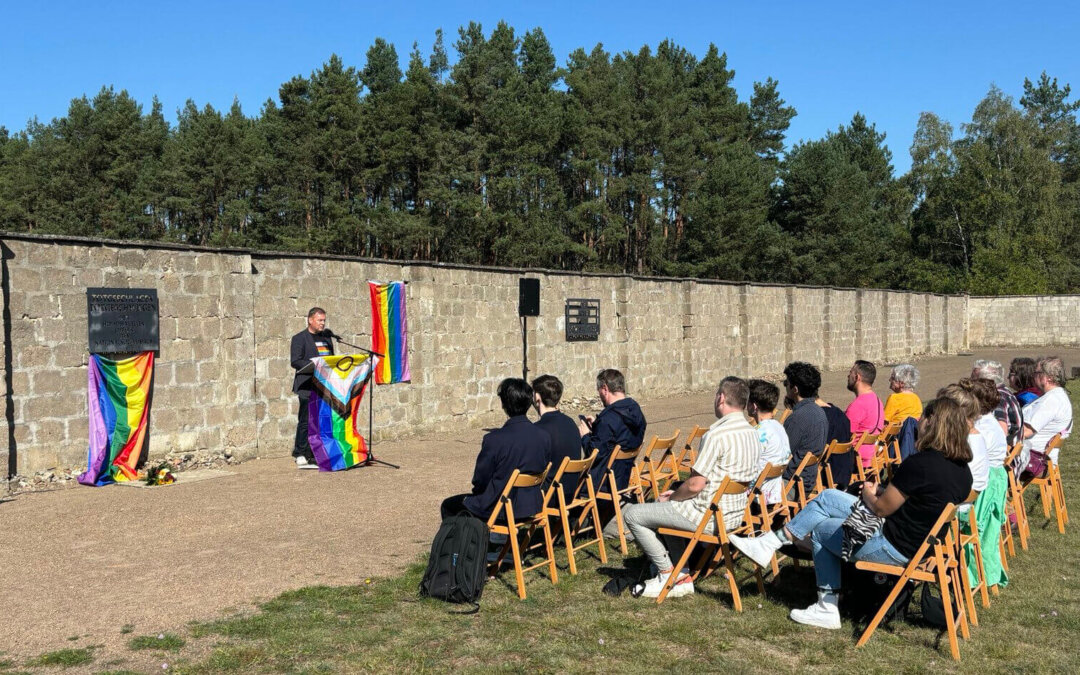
x=923, y=485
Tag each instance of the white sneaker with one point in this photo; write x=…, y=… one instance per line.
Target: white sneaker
x=759, y=549
x=684, y=585
x=302, y=463
x=821, y=614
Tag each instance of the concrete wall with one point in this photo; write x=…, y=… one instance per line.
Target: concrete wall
x=1024, y=320
x=223, y=377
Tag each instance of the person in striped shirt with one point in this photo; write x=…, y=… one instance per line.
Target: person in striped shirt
x=730, y=449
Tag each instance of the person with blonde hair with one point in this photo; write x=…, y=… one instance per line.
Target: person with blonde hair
x=903, y=402
x=922, y=486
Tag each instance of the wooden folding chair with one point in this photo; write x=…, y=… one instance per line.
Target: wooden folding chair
x=659, y=474
x=836, y=449
x=971, y=538
x=935, y=562
x=511, y=528
x=583, y=496
x=1014, y=504
x=784, y=415
x=1051, y=492
x=760, y=516
x=610, y=491
x=689, y=453
x=886, y=450
x=717, y=546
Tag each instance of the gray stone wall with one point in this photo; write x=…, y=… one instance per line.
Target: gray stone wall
x=223, y=379
x=1025, y=320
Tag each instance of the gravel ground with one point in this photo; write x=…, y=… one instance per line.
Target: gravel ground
x=86, y=562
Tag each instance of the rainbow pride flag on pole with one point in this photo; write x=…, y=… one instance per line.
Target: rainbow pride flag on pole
x=334, y=410
x=389, y=333
x=118, y=398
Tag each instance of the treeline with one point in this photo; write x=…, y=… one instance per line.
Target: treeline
x=642, y=162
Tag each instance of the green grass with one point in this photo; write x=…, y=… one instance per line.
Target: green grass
x=1033, y=626
x=65, y=658
x=163, y=641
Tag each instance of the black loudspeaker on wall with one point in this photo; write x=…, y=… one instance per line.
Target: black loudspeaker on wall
x=528, y=297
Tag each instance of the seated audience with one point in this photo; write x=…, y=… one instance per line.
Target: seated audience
x=775, y=450
x=1051, y=413
x=866, y=412
x=730, y=448
x=621, y=423
x=806, y=426
x=842, y=466
x=1008, y=412
x=903, y=402
x=1022, y=380
x=565, y=441
x=519, y=444
x=922, y=486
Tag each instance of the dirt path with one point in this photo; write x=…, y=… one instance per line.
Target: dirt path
x=85, y=562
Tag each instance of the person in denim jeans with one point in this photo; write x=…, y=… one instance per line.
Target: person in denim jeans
x=924, y=484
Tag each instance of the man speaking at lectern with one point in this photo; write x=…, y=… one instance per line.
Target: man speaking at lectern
x=306, y=345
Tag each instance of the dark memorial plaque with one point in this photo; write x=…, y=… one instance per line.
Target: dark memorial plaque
x=582, y=319
x=122, y=320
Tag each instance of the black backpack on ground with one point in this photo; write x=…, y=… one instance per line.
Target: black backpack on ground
x=457, y=565
x=864, y=593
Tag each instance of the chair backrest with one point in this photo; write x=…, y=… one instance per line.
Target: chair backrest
x=695, y=435
x=520, y=480
x=1016, y=449
x=784, y=415
x=618, y=454
x=864, y=438
x=838, y=448
x=662, y=444
x=768, y=473
x=574, y=467
x=1055, y=443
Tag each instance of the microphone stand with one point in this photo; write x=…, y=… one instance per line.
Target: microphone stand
x=371, y=403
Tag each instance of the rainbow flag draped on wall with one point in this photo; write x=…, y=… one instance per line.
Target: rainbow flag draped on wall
x=118, y=398
x=389, y=334
x=334, y=410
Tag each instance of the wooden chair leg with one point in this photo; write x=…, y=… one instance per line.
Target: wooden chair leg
x=950, y=621
x=880, y=616
x=670, y=583
x=519, y=574
x=599, y=532
x=550, y=547
x=568, y=539
x=619, y=523
x=964, y=584
x=729, y=566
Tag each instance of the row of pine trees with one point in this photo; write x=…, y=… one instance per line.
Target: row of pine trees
x=645, y=162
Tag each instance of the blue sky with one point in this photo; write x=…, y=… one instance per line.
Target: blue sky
x=888, y=60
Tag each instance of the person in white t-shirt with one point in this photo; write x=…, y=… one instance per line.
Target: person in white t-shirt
x=993, y=434
x=979, y=465
x=775, y=448
x=1051, y=413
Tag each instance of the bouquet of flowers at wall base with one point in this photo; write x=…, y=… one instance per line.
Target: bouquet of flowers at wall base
x=160, y=475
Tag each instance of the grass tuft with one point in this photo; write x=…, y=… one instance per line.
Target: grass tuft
x=65, y=658
x=162, y=641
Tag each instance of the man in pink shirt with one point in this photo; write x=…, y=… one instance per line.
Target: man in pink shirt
x=866, y=412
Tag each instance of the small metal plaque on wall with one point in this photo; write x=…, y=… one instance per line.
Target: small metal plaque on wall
x=582, y=319
x=122, y=320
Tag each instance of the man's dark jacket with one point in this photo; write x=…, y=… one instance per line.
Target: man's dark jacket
x=301, y=351
x=565, y=442
x=622, y=423
x=517, y=445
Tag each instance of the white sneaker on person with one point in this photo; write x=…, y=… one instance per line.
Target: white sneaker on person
x=684, y=585
x=759, y=549
x=822, y=614
x=302, y=463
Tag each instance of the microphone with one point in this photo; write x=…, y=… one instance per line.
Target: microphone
x=331, y=334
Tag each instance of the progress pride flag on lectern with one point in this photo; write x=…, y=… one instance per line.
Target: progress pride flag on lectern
x=389, y=334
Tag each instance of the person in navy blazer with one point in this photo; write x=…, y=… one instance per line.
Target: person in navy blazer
x=517, y=445
x=306, y=345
